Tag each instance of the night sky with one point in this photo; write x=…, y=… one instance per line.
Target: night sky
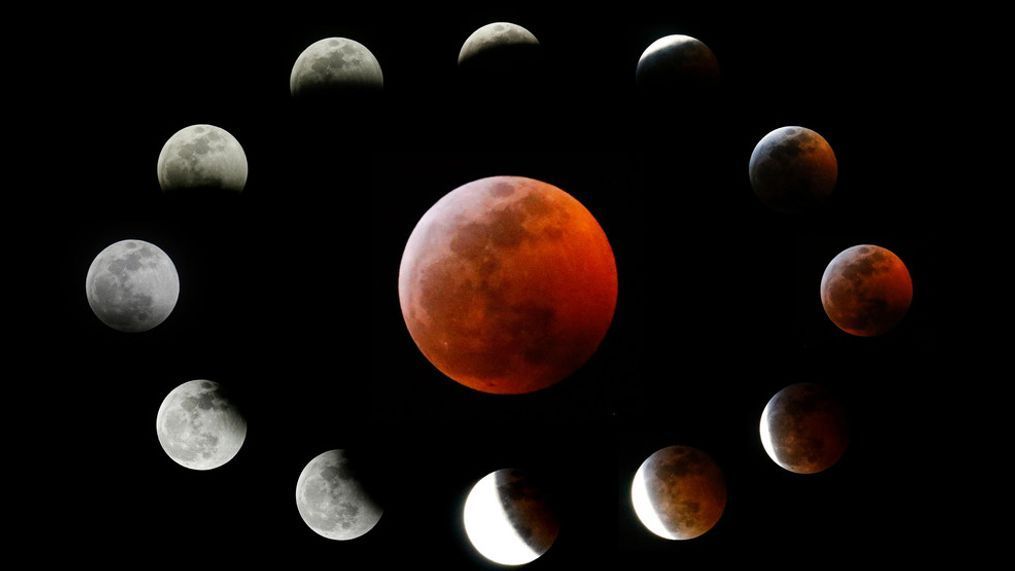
x=289, y=290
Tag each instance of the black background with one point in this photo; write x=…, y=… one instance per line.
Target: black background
x=288, y=291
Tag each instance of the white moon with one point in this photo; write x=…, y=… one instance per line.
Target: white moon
x=332, y=501
x=335, y=63
x=198, y=427
x=507, y=520
x=495, y=34
x=644, y=508
x=132, y=286
x=202, y=156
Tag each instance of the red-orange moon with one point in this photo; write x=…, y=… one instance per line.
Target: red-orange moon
x=866, y=290
x=507, y=284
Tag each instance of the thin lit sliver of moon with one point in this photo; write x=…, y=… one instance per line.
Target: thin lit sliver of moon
x=643, y=506
x=489, y=528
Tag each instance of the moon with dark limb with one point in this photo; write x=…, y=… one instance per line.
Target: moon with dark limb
x=678, y=493
x=333, y=500
x=507, y=284
x=335, y=66
x=677, y=65
x=803, y=428
x=494, y=37
x=202, y=157
x=866, y=290
x=199, y=427
x=509, y=519
x=793, y=169
x=132, y=286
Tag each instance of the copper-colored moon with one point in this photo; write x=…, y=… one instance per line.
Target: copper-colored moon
x=803, y=429
x=507, y=284
x=866, y=290
x=679, y=493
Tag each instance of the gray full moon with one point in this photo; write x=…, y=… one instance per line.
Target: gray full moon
x=132, y=286
x=497, y=34
x=335, y=64
x=793, y=169
x=202, y=157
x=333, y=501
x=198, y=427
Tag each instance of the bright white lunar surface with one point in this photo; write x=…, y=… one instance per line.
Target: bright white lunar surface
x=202, y=157
x=198, y=427
x=333, y=501
x=507, y=520
x=497, y=34
x=132, y=286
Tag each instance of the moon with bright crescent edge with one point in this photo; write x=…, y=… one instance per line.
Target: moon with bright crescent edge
x=803, y=428
x=678, y=493
x=198, y=427
x=508, y=519
x=132, y=286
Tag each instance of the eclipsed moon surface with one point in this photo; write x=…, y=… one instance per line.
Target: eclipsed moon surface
x=508, y=518
x=677, y=63
x=507, y=285
x=803, y=428
x=335, y=65
x=678, y=493
x=202, y=157
x=132, y=286
x=198, y=427
x=793, y=169
x=494, y=37
x=866, y=290
x=333, y=500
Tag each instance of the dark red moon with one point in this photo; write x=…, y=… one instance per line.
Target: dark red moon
x=803, y=428
x=866, y=290
x=507, y=285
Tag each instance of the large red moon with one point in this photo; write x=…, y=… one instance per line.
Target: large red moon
x=866, y=290
x=507, y=284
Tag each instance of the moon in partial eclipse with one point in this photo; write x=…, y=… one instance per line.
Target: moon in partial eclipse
x=793, y=169
x=132, y=286
x=678, y=493
x=803, y=428
x=508, y=518
x=202, y=157
x=335, y=66
x=507, y=284
x=677, y=65
x=198, y=427
x=495, y=36
x=332, y=499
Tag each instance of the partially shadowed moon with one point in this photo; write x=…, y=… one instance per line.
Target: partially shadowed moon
x=507, y=284
x=202, y=157
x=494, y=37
x=335, y=66
x=793, y=169
x=803, y=428
x=678, y=493
x=199, y=427
x=509, y=519
x=333, y=500
x=677, y=65
x=866, y=290
x=132, y=286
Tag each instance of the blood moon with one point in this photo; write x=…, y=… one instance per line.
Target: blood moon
x=507, y=284
x=866, y=290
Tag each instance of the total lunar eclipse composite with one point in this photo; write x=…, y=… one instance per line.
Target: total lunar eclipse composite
x=460, y=292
